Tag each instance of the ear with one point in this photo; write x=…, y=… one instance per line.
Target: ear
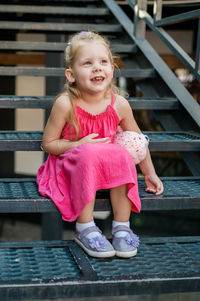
x=69, y=75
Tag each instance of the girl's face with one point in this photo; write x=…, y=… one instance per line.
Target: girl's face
x=92, y=70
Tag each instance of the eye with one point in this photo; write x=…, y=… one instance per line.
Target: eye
x=104, y=61
x=87, y=63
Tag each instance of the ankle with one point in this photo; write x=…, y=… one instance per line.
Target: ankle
x=82, y=226
x=120, y=233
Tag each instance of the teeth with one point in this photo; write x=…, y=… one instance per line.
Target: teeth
x=98, y=78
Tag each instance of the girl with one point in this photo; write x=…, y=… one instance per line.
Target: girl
x=82, y=158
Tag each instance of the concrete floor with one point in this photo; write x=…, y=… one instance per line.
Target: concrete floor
x=22, y=230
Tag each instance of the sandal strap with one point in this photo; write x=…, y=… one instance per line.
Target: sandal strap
x=88, y=230
x=121, y=228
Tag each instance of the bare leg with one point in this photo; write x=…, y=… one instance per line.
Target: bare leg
x=121, y=204
x=89, y=237
x=124, y=241
x=86, y=215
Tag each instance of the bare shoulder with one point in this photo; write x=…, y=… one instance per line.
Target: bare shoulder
x=61, y=105
x=62, y=102
x=122, y=106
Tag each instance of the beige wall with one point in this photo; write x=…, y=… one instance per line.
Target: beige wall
x=183, y=38
x=29, y=119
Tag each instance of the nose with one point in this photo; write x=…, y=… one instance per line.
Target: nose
x=97, y=67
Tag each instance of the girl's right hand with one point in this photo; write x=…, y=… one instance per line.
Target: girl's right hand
x=91, y=139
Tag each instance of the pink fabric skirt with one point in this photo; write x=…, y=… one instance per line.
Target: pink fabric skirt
x=72, y=179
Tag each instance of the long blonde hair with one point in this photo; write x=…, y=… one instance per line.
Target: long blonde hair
x=75, y=42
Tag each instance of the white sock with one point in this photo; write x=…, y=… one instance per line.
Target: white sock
x=120, y=233
x=82, y=226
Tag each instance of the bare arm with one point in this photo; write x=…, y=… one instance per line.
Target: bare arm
x=128, y=123
x=51, y=142
x=58, y=118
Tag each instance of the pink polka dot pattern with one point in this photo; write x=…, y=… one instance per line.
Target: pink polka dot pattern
x=136, y=144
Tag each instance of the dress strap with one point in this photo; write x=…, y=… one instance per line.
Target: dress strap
x=113, y=96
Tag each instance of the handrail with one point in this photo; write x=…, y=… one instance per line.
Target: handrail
x=179, y=91
x=164, y=2
x=141, y=14
x=175, y=2
x=179, y=18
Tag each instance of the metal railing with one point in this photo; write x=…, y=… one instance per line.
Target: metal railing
x=143, y=18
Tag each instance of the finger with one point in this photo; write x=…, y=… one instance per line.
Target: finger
x=148, y=189
x=93, y=135
x=103, y=140
x=107, y=139
x=160, y=190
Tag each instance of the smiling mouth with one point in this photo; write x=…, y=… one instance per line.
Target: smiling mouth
x=97, y=79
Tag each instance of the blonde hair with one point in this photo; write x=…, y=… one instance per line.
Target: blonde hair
x=75, y=42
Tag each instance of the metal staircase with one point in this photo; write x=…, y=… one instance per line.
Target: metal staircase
x=59, y=269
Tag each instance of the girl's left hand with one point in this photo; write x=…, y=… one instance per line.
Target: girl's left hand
x=153, y=184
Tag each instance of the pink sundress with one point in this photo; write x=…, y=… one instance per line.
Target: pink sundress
x=71, y=179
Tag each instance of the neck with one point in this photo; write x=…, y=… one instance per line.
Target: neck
x=93, y=98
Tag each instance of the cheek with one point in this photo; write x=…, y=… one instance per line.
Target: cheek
x=111, y=70
x=83, y=74
x=111, y=73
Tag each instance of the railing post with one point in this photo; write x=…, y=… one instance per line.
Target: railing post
x=157, y=10
x=139, y=25
x=197, y=59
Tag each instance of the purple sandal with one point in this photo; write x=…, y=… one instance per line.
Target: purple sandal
x=125, y=247
x=98, y=246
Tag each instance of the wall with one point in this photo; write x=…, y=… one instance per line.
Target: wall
x=29, y=119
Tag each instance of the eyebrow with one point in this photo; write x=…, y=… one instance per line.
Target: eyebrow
x=90, y=58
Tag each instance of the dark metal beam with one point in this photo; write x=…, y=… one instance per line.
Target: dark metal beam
x=159, y=141
x=22, y=196
x=166, y=74
x=176, y=49
x=178, y=18
x=137, y=103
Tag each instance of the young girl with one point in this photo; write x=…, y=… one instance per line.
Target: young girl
x=82, y=158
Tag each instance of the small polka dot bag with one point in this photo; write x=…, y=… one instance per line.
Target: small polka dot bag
x=135, y=143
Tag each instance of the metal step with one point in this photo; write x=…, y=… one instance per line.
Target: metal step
x=159, y=141
x=174, y=141
x=58, y=47
x=152, y=103
x=60, y=269
x=135, y=73
x=45, y=102
x=21, y=195
x=57, y=2
x=59, y=27
x=55, y=10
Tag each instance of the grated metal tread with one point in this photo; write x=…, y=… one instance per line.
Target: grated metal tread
x=62, y=269
x=160, y=260
x=136, y=73
x=36, y=263
x=137, y=103
x=58, y=46
x=159, y=141
x=21, y=195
